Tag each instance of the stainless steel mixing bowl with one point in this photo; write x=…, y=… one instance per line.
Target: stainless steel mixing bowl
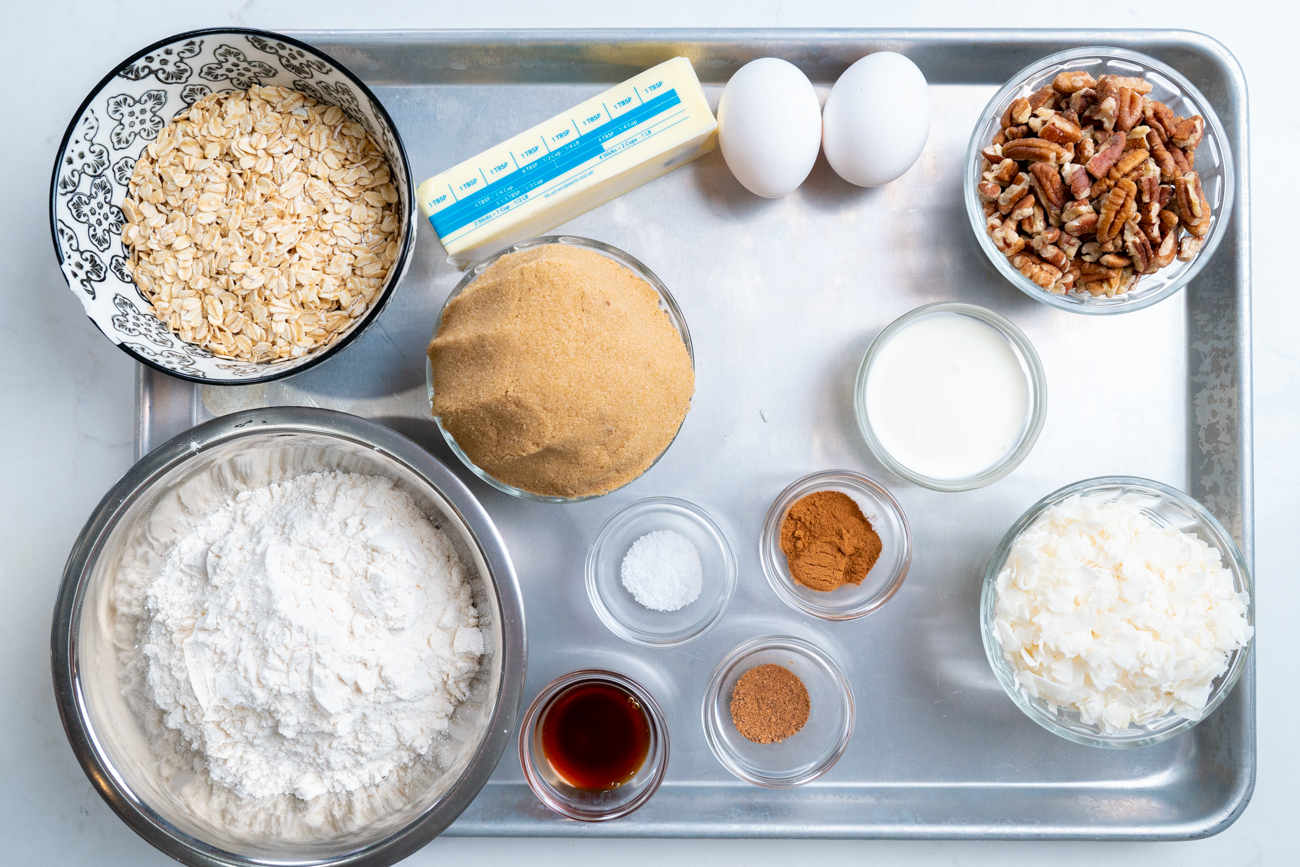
x=146, y=510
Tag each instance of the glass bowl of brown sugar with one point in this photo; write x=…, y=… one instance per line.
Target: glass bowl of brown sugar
x=513, y=421
x=795, y=681
x=818, y=512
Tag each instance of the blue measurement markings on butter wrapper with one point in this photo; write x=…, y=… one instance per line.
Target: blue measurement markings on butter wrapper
x=549, y=171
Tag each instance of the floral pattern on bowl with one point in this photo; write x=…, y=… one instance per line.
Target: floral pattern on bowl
x=118, y=120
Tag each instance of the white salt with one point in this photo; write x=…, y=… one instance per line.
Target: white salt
x=662, y=571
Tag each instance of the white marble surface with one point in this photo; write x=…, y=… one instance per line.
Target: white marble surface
x=66, y=406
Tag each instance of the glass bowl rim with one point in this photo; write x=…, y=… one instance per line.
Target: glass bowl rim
x=797, y=645
x=634, y=265
x=1035, y=379
x=658, y=731
x=1228, y=550
x=629, y=511
x=1080, y=305
x=771, y=531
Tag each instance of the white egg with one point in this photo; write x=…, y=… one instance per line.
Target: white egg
x=769, y=126
x=876, y=119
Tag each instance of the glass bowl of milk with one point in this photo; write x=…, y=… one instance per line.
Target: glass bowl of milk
x=951, y=396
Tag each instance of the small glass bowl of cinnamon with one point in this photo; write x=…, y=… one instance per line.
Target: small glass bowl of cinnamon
x=889, y=552
x=816, y=745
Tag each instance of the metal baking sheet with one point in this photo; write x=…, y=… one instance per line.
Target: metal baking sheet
x=783, y=298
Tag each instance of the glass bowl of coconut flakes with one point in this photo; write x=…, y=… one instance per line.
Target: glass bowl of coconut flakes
x=1117, y=612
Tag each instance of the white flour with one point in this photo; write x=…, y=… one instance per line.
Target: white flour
x=307, y=641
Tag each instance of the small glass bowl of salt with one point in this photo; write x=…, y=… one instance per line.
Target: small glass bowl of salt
x=660, y=571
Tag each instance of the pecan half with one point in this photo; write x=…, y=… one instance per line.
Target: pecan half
x=1084, y=150
x=1072, y=82
x=988, y=190
x=1168, y=223
x=1054, y=256
x=1100, y=164
x=1138, y=247
x=1168, y=170
x=1034, y=150
x=1061, y=130
x=1187, y=132
x=1159, y=116
x=1082, y=101
x=1137, y=138
x=1042, y=273
x=1085, y=224
x=1127, y=163
x=1115, y=82
x=1105, y=111
x=1179, y=156
x=1012, y=194
x=1007, y=239
x=1119, y=206
x=1004, y=172
x=1099, y=280
x=1076, y=208
x=992, y=153
x=1193, y=209
x=1017, y=113
x=1023, y=209
x=1069, y=243
x=1044, y=97
x=1050, y=187
x=1148, y=184
x=1036, y=222
x=1166, y=252
x=1128, y=109
x=1077, y=177
x=1114, y=260
x=1189, y=247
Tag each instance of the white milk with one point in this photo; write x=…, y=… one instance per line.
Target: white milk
x=947, y=396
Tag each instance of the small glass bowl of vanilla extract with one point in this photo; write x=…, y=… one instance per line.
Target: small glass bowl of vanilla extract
x=594, y=745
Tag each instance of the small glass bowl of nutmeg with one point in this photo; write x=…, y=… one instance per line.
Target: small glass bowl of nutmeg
x=1161, y=192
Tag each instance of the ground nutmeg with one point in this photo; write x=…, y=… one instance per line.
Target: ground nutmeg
x=769, y=704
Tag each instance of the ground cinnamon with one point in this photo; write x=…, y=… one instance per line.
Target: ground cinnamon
x=828, y=541
x=769, y=704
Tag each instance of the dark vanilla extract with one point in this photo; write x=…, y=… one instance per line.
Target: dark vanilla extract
x=596, y=736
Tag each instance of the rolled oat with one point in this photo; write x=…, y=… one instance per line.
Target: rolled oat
x=261, y=224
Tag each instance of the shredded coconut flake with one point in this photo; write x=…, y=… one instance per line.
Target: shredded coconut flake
x=662, y=571
x=1103, y=611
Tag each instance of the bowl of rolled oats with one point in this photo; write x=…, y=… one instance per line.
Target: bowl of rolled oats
x=1099, y=180
x=232, y=206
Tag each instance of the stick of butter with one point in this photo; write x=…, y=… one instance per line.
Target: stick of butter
x=581, y=159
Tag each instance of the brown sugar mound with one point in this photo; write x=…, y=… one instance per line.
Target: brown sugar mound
x=769, y=704
x=557, y=372
x=828, y=541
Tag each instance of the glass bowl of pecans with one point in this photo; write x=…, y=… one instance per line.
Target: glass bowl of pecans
x=1099, y=180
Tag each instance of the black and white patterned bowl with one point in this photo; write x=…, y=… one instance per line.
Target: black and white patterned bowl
x=123, y=114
